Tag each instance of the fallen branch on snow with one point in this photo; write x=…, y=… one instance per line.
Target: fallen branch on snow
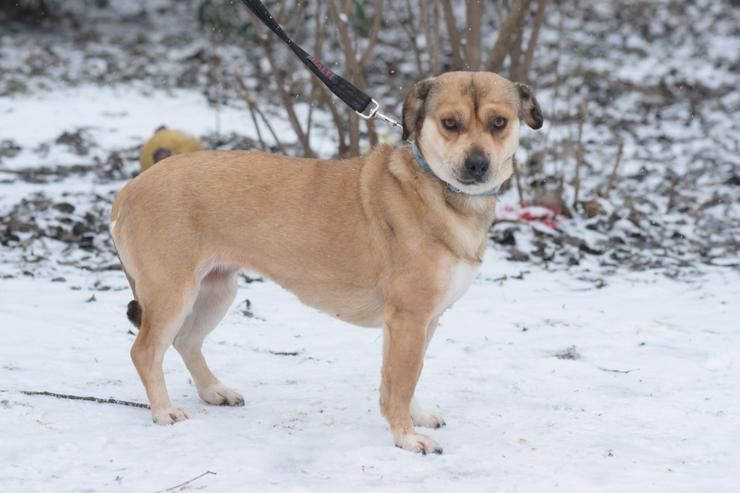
x=99, y=400
x=618, y=371
x=188, y=481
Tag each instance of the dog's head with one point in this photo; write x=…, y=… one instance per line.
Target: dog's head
x=467, y=126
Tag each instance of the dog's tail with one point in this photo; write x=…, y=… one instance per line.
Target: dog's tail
x=133, y=312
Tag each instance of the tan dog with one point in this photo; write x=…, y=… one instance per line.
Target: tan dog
x=381, y=240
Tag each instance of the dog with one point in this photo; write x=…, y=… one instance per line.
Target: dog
x=391, y=239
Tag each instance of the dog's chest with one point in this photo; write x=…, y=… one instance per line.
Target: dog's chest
x=460, y=277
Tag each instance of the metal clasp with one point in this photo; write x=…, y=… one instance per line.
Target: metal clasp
x=367, y=115
x=374, y=113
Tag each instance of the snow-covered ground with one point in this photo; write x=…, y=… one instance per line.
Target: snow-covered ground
x=650, y=402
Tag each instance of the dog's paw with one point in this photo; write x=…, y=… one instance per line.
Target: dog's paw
x=427, y=419
x=168, y=416
x=418, y=443
x=221, y=395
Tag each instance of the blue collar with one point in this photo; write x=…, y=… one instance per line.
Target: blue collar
x=428, y=170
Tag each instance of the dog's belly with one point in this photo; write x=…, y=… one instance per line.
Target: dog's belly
x=352, y=304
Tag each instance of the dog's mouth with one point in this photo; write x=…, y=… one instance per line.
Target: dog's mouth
x=469, y=181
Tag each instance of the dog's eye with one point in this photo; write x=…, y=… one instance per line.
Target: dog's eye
x=450, y=124
x=498, y=123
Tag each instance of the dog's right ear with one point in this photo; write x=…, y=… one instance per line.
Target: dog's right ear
x=529, y=108
x=413, y=107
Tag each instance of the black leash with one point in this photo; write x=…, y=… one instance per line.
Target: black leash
x=365, y=106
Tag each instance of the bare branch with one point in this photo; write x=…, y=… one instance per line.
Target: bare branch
x=374, y=31
x=435, y=48
x=579, y=153
x=611, y=370
x=285, y=97
x=185, y=483
x=98, y=400
x=539, y=19
x=254, y=108
x=339, y=123
x=613, y=175
x=298, y=15
x=410, y=31
x=457, y=60
x=473, y=17
x=288, y=105
x=281, y=13
x=517, y=180
x=351, y=62
x=501, y=47
x=316, y=87
x=426, y=28
x=515, y=50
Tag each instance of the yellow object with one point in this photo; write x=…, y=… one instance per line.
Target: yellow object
x=164, y=143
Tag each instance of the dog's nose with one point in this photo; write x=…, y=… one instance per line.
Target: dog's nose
x=476, y=165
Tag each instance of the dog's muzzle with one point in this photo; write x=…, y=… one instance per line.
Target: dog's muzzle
x=475, y=168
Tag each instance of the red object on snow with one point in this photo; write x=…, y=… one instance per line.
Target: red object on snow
x=539, y=214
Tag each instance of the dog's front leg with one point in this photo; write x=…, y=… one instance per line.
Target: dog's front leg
x=404, y=343
x=419, y=415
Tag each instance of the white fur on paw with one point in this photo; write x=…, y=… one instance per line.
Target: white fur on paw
x=427, y=419
x=418, y=443
x=168, y=416
x=221, y=395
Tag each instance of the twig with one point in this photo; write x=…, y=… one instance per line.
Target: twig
x=613, y=175
x=99, y=400
x=529, y=54
x=554, y=100
x=339, y=122
x=517, y=180
x=434, y=55
x=617, y=371
x=427, y=30
x=457, y=60
x=188, y=481
x=411, y=31
x=501, y=47
x=214, y=66
x=254, y=108
x=351, y=62
x=298, y=16
x=252, y=111
x=672, y=190
x=318, y=44
x=373, y=36
x=473, y=16
x=515, y=50
x=579, y=153
x=355, y=64
x=285, y=96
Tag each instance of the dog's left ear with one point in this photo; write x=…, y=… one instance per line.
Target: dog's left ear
x=413, y=107
x=529, y=108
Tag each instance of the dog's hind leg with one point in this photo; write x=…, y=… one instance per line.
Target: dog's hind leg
x=216, y=294
x=419, y=415
x=163, y=308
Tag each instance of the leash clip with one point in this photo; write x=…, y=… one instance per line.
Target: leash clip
x=369, y=114
x=374, y=113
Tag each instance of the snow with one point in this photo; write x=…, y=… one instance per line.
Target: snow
x=116, y=117
x=518, y=418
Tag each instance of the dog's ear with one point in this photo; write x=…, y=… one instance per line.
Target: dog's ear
x=413, y=107
x=529, y=108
